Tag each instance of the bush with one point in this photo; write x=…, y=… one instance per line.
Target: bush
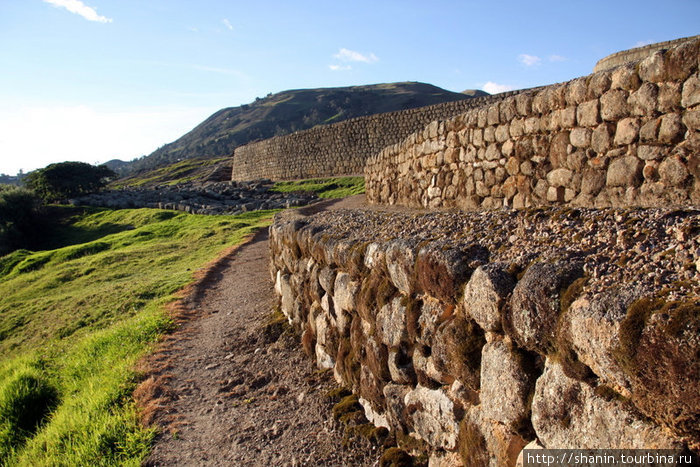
x=68, y=179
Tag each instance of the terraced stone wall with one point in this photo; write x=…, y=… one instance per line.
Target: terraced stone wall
x=340, y=148
x=629, y=136
x=636, y=54
x=472, y=359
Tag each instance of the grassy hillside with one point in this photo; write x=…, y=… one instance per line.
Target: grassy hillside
x=339, y=187
x=173, y=174
x=289, y=111
x=75, y=319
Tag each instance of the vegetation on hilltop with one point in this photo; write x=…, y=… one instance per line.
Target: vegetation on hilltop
x=289, y=111
x=190, y=170
x=68, y=179
x=76, y=318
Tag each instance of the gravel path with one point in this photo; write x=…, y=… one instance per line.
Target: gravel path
x=228, y=389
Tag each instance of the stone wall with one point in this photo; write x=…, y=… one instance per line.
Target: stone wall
x=473, y=346
x=636, y=54
x=629, y=136
x=340, y=148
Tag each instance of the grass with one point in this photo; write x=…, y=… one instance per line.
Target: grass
x=325, y=187
x=74, y=320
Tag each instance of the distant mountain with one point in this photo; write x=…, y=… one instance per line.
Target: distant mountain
x=118, y=166
x=475, y=93
x=289, y=111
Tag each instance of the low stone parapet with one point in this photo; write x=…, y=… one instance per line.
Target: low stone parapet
x=473, y=334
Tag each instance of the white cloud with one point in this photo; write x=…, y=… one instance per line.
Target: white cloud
x=340, y=67
x=346, y=55
x=557, y=58
x=228, y=24
x=83, y=133
x=79, y=8
x=192, y=29
x=495, y=88
x=529, y=60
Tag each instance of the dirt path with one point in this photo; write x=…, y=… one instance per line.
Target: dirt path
x=229, y=390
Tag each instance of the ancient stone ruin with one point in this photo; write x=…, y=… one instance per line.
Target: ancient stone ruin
x=572, y=321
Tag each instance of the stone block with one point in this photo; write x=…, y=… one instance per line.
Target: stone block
x=485, y=295
x=560, y=177
x=691, y=119
x=345, y=292
x=669, y=99
x=624, y=171
x=650, y=130
x=598, y=84
x=627, y=131
x=575, y=91
x=673, y=171
x=652, y=68
x=690, y=95
x=671, y=129
x=507, y=380
x=568, y=414
x=400, y=260
x=580, y=137
x=433, y=417
x=647, y=152
x=601, y=138
x=613, y=105
x=587, y=113
x=625, y=77
x=457, y=350
x=535, y=303
x=643, y=101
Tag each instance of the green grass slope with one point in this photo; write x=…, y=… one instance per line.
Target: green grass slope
x=75, y=319
x=289, y=111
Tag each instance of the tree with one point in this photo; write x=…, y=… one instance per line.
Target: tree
x=68, y=179
x=21, y=219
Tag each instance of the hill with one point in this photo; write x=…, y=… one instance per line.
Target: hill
x=289, y=111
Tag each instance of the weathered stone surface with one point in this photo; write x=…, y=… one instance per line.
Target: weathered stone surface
x=507, y=379
x=391, y=323
x=627, y=131
x=613, y=105
x=486, y=442
x=587, y=113
x=593, y=181
x=567, y=414
x=673, y=172
x=652, y=68
x=433, y=416
x=395, y=395
x=457, y=350
x=625, y=77
x=671, y=129
x=690, y=95
x=485, y=295
x=625, y=171
x=581, y=137
x=559, y=177
x=345, y=292
x=401, y=367
x=643, y=100
x=441, y=270
x=400, y=260
x=535, y=303
x=602, y=137
x=326, y=277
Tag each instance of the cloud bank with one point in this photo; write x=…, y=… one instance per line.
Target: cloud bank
x=495, y=88
x=529, y=60
x=79, y=8
x=346, y=55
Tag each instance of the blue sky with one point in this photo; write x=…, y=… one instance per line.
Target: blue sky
x=95, y=80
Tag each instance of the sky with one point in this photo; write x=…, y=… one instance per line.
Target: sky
x=95, y=80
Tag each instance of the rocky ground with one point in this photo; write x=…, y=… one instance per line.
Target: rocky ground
x=200, y=198
x=654, y=248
